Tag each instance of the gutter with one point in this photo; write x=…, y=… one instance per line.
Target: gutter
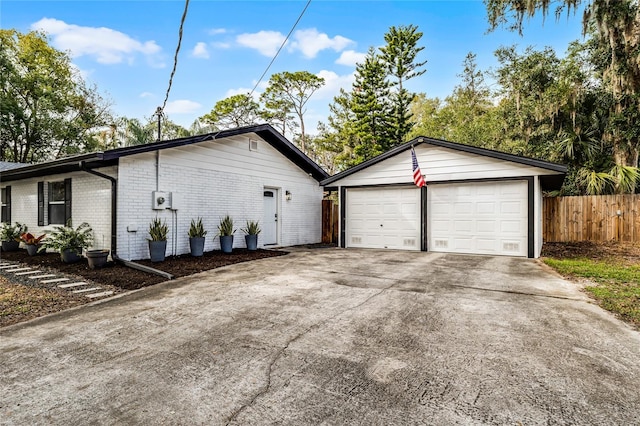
x=114, y=226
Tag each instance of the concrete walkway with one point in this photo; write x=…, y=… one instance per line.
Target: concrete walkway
x=331, y=336
x=15, y=271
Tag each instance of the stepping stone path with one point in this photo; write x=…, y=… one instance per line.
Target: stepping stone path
x=92, y=291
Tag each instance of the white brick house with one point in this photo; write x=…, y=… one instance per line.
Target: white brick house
x=250, y=173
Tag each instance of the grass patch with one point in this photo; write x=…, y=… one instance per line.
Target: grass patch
x=617, y=284
x=19, y=303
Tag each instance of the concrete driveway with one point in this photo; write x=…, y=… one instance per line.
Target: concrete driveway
x=335, y=337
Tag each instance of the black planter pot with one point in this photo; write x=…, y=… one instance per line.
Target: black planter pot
x=226, y=243
x=10, y=245
x=32, y=249
x=196, y=244
x=157, y=250
x=97, y=258
x=252, y=242
x=70, y=256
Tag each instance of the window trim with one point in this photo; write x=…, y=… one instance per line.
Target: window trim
x=7, y=203
x=42, y=220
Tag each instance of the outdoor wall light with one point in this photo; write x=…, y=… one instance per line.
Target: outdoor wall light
x=287, y=195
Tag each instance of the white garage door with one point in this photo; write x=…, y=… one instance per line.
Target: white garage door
x=383, y=218
x=483, y=218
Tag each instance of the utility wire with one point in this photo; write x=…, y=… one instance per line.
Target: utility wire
x=281, y=46
x=175, y=58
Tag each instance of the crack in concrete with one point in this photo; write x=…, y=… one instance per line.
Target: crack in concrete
x=404, y=281
x=265, y=389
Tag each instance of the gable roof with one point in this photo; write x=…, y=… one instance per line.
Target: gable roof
x=550, y=181
x=110, y=157
x=8, y=165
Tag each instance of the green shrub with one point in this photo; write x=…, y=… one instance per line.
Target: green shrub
x=158, y=230
x=252, y=228
x=197, y=229
x=225, y=228
x=66, y=238
x=12, y=233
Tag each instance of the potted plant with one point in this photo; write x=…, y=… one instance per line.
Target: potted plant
x=158, y=232
x=31, y=242
x=97, y=258
x=196, y=237
x=10, y=235
x=252, y=230
x=225, y=232
x=69, y=241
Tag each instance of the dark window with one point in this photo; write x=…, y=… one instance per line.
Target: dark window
x=56, y=203
x=6, y=204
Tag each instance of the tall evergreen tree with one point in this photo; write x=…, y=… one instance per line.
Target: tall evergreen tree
x=400, y=59
x=372, y=108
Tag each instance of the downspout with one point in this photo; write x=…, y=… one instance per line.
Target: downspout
x=114, y=226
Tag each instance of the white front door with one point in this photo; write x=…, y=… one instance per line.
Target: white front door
x=270, y=219
x=478, y=217
x=383, y=218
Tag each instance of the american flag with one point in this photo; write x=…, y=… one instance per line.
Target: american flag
x=417, y=174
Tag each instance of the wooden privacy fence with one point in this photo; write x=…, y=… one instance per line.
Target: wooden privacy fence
x=592, y=218
x=330, y=214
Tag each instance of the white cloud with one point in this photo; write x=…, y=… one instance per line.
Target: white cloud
x=265, y=42
x=220, y=45
x=351, y=58
x=332, y=84
x=107, y=46
x=200, y=51
x=182, y=106
x=310, y=42
x=216, y=31
x=146, y=95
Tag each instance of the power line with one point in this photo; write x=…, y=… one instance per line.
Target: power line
x=175, y=58
x=281, y=46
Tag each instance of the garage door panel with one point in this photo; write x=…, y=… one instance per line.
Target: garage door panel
x=396, y=209
x=463, y=208
x=479, y=217
x=486, y=190
x=463, y=244
x=486, y=207
x=510, y=227
x=486, y=226
x=463, y=226
x=511, y=207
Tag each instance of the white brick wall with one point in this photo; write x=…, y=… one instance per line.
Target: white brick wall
x=90, y=202
x=214, y=179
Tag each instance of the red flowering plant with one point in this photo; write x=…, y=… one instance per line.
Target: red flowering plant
x=29, y=238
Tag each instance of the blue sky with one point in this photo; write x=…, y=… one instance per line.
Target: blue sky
x=126, y=48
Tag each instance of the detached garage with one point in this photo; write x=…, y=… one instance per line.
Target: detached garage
x=475, y=201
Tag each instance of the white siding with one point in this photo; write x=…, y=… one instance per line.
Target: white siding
x=213, y=179
x=537, y=221
x=90, y=202
x=438, y=164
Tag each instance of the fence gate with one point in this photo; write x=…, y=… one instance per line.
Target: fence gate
x=330, y=213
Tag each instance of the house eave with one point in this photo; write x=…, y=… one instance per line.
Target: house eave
x=111, y=157
x=559, y=168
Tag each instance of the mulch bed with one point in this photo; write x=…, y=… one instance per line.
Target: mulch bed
x=627, y=252
x=131, y=279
